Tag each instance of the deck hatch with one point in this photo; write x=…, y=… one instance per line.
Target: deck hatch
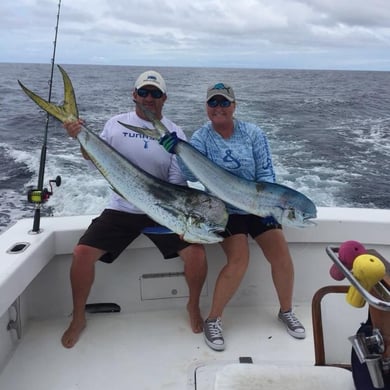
x=164, y=285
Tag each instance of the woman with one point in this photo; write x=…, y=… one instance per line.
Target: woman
x=242, y=148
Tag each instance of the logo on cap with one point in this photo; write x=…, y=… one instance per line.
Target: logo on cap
x=154, y=78
x=221, y=86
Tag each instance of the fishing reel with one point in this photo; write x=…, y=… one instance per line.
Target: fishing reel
x=37, y=196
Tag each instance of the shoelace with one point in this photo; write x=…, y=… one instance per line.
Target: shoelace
x=290, y=317
x=215, y=329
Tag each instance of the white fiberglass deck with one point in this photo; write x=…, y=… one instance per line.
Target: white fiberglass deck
x=149, y=350
x=149, y=345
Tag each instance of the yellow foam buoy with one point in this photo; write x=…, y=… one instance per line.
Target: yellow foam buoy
x=368, y=270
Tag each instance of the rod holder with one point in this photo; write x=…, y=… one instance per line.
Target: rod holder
x=374, y=365
x=15, y=324
x=360, y=347
x=368, y=350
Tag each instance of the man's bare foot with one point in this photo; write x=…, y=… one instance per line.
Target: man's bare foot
x=196, y=319
x=72, y=334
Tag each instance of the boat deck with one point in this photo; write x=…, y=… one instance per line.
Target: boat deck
x=150, y=350
x=149, y=344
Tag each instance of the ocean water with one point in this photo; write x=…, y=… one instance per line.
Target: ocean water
x=329, y=131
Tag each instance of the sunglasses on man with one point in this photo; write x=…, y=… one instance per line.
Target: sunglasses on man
x=143, y=92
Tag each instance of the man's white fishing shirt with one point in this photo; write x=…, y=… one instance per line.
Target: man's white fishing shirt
x=143, y=151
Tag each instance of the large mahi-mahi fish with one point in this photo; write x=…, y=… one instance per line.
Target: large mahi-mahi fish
x=288, y=206
x=193, y=214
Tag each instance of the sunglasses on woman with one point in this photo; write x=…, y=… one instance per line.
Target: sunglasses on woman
x=219, y=102
x=143, y=92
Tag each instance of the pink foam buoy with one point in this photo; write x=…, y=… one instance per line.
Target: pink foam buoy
x=348, y=252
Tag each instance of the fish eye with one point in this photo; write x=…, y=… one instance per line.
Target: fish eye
x=291, y=214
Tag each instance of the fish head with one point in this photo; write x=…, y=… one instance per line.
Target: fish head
x=195, y=216
x=203, y=230
x=205, y=222
x=298, y=211
x=201, y=236
x=297, y=217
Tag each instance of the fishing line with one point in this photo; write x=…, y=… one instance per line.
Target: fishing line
x=40, y=195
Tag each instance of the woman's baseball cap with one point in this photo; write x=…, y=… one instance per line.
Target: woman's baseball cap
x=222, y=89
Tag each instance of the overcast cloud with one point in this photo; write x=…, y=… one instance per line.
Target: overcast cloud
x=306, y=34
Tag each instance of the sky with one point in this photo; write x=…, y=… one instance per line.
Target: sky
x=270, y=34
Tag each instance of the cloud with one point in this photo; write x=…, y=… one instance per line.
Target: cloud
x=245, y=33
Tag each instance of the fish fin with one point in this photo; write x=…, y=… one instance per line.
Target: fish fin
x=152, y=133
x=157, y=230
x=116, y=191
x=157, y=124
x=67, y=111
x=196, y=184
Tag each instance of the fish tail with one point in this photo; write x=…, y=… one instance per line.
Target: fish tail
x=152, y=133
x=158, y=125
x=67, y=111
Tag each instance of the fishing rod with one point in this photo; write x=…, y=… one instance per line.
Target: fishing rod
x=40, y=195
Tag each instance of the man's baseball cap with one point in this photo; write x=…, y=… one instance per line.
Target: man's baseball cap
x=151, y=77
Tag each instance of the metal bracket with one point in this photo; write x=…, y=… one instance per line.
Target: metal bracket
x=381, y=304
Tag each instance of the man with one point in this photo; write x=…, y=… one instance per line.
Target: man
x=121, y=222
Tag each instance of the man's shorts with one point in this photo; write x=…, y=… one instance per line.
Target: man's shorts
x=114, y=230
x=249, y=224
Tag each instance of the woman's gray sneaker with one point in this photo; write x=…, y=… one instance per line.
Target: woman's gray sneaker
x=293, y=325
x=212, y=331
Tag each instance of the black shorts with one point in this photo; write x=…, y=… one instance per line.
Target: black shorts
x=114, y=230
x=248, y=224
